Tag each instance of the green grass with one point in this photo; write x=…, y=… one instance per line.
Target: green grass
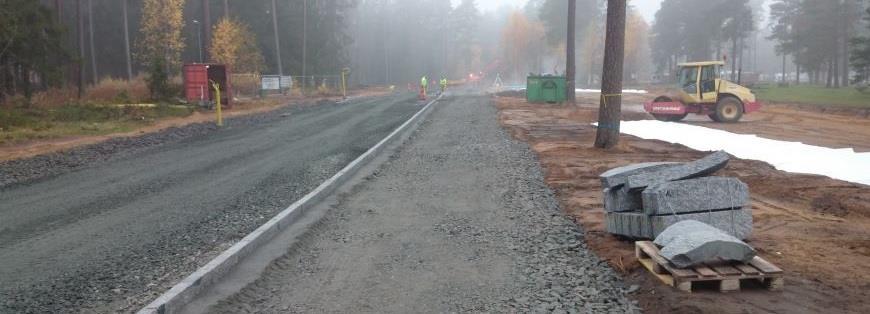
x=813, y=95
x=19, y=124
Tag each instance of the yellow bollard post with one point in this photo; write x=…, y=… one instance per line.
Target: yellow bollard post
x=217, y=96
x=343, y=86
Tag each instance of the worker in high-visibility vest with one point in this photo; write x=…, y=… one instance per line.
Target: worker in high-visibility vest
x=443, y=84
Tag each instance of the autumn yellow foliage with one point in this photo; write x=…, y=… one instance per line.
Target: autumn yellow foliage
x=160, y=32
x=522, y=44
x=235, y=45
x=636, y=45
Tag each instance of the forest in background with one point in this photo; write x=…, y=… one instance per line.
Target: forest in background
x=43, y=42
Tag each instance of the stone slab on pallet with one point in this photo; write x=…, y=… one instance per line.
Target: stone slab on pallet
x=698, y=168
x=695, y=195
x=737, y=223
x=726, y=277
x=616, y=177
x=690, y=243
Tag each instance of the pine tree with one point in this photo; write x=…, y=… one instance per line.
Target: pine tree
x=860, y=56
x=610, y=107
x=30, y=46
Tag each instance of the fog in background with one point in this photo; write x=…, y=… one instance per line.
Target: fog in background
x=398, y=41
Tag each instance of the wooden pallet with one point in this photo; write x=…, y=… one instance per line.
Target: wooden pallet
x=726, y=276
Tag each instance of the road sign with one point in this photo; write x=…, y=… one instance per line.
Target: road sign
x=270, y=82
x=286, y=82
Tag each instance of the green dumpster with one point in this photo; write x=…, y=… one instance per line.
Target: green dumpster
x=545, y=89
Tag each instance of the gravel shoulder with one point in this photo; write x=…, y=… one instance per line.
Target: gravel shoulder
x=457, y=220
x=106, y=228
x=815, y=228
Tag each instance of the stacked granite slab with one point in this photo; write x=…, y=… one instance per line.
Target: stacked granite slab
x=642, y=200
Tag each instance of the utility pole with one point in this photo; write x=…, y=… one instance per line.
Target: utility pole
x=277, y=41
x=610, y=107
x=127, y=41
x=198, y=38
x=206, y=29
x=226, y=9
x=570, y=68
x=79, y=29
x=91, y=38
x=387, y=50
x=304, y=44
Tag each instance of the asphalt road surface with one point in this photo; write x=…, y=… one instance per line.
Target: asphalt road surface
x=459, y=219
x=114, y=235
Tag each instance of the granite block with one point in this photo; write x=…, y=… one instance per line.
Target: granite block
x=689, y=243
x=695, y=195
x=698, y=168
x=736, y=222
x=616, y=177
x=620, y=199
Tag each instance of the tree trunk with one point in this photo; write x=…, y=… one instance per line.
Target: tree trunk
x=783, y=70
x=25, y=82
x=610, y=107
x=755, y=52
x=733, y=59
x=797, y=79
x=206, y=29
x=740, y=62
x=836, y=66
x=304, y=45
x=570, y=67
x=829, y=76
x=4, y=79
x=127, y=41
x=94, y=76
x=847, y=33
x=80, y=66
x=277, y=41
x=386, y=51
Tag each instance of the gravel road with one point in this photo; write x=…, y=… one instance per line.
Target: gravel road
x=458, y=220
x=109, y=227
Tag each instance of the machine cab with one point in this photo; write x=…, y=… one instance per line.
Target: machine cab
x=698, y=82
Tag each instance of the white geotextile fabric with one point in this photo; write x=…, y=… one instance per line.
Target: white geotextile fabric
x=578, y=90
x=844, y=163
x=624, y=91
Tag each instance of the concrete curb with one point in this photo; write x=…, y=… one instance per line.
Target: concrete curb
x=183, y=292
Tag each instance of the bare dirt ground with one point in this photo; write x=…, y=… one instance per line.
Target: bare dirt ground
x=817, y=229
x=828, y=126
x=39, y=147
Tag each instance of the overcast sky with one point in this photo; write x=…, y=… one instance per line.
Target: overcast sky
x=646, y=7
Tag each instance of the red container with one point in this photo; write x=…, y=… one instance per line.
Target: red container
x=197, y=85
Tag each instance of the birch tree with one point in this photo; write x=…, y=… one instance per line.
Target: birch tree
x=160, y=33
